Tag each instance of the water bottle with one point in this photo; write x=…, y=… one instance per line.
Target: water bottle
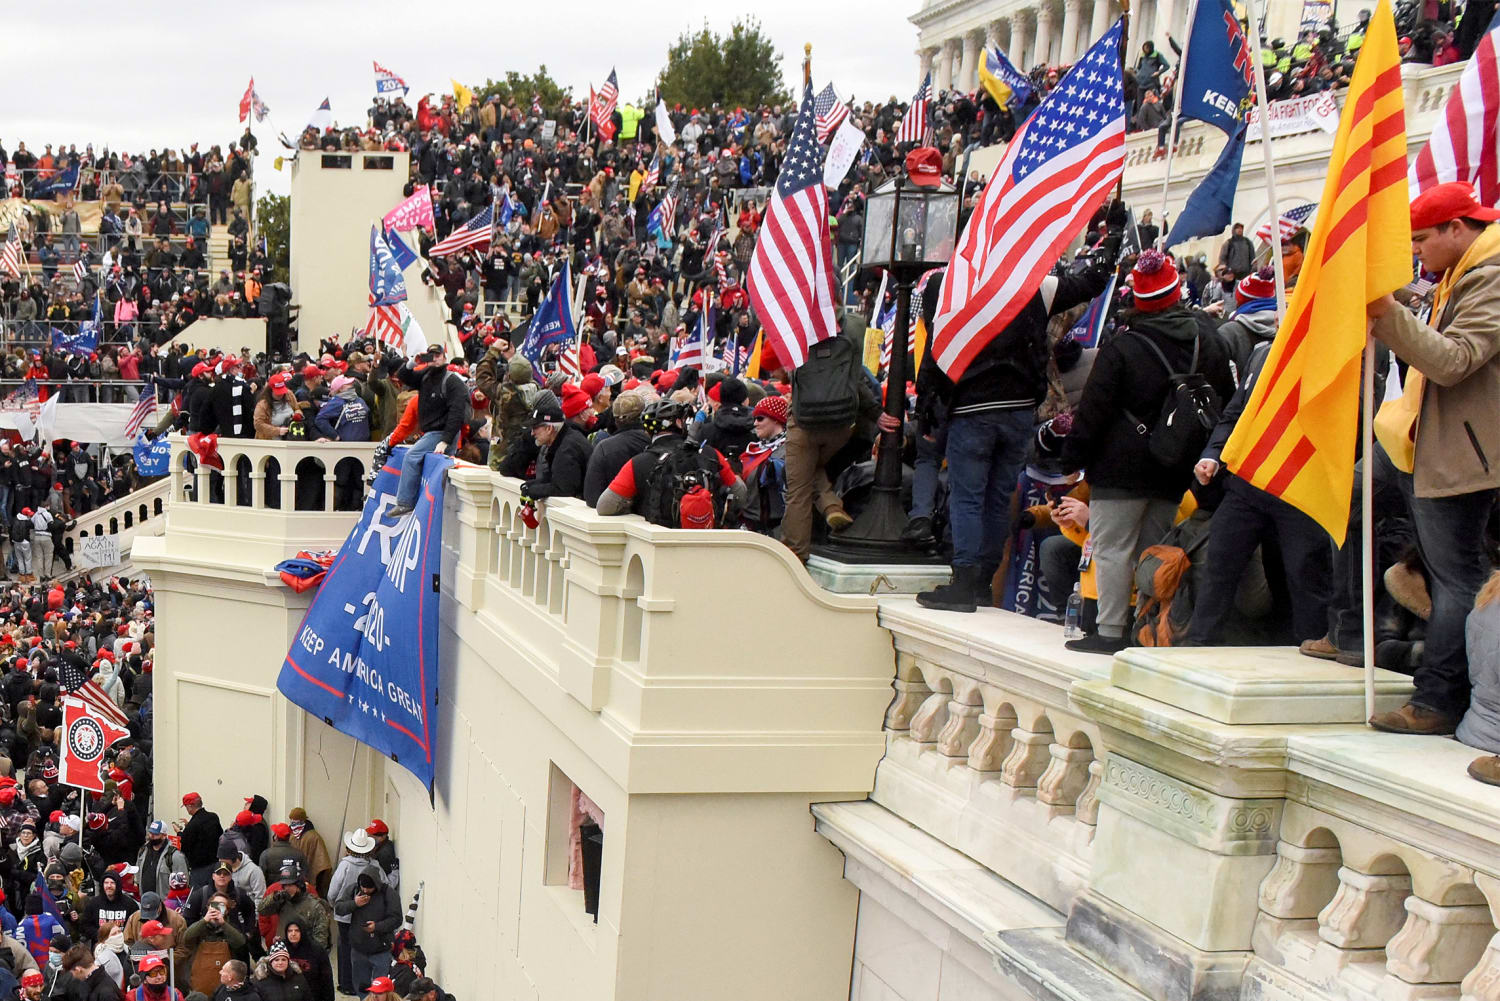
x=1073, y=617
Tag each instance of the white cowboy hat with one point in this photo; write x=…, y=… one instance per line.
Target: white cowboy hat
x=359, y=841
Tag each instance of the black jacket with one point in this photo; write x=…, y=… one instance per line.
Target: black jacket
x=609, y=455
x=442, y=403
x=200, y=838
x=731, y=432
x=384, y=909
x=1127, y=376
x=561, y=466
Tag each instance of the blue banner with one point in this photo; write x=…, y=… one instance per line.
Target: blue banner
x=1217, y=76
x=365, y=659
x=1209, y=208
x=387, y=286
x=405, y=256
x=84, y=342
x=553, y=322
x=152, y=458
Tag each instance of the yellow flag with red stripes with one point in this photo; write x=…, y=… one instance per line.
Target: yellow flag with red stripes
x=1296, y=437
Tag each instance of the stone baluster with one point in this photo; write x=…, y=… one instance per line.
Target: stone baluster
x=1087, y=807
x=1028, y=758
x=930, y=719
x=1438, y=944
x=1293, y=892
x=903, y=708
x=960, y=730
x=1064, y=780
x=1483, y=982
x=1366, y=912
x=989, y=750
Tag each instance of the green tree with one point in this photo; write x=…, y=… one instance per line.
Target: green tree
x=739, y=69
x=273, y=220
x=519, y=87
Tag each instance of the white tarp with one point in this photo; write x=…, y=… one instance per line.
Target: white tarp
x=89, y=423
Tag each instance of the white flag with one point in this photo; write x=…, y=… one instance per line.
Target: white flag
x=664, y=130
x=414, y=341
x=842, y=149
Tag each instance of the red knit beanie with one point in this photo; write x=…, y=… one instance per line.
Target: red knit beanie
x=1259, y=285
x=574, y=400
x=1155, y=282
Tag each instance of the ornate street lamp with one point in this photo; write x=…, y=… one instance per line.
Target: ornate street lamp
x=911, y=224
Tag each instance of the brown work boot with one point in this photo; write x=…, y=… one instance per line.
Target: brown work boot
x=1486, y=770
x=838, y=519
x=1408, y=588
x=1323, y=649
x=1415, y=719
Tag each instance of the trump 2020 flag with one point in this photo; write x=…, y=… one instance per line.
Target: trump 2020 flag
x=1210, y=206
x=365, y=659
x=1218, y=75
x=387, y=82
x=387, y=286
x=152, y=458
x=553, y=322
x=404, y=255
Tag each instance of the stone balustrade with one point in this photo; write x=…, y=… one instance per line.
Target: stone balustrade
x=139, y=512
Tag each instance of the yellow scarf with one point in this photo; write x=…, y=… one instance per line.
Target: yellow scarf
x=1396, y=421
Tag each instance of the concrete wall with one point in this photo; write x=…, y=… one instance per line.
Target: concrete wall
x=227, y=333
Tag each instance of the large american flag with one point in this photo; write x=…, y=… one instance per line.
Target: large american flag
x=602, y=107
x=477, y=232
x=144, y=408
x=1291, y=220
x=830, y=112
x=10, y=254
x=1053, y=176
x=1462, y=144
x=76, y=682
x=791, y=280
x=915, y=124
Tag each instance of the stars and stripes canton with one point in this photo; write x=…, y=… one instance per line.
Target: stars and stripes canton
x=144, y=408
x=1291, y=220
x=693, y=349
x=602, y=106
x=663, y=218
x=10, y=254
x=916, y=124
x=791, y=282
x=735, y=355
x=478, y=232
x=1462, y=146
x=1054, y=174
x=829, y=113
x=568, y=362
x=22, y=397
x=75, y=681
x=653, y=174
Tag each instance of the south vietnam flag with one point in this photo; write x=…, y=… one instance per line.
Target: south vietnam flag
x=1296, y=437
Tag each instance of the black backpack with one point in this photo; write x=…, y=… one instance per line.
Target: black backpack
x=679, y=469
x=1188, y=414
x=825, y=387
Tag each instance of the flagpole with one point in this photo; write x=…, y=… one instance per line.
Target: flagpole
x=1124, y=58
x=1166, y=180
x=1263, y=105
x=1367, y=521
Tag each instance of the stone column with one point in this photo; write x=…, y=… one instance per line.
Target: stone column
x=1020, y=41
x=1168, y=12
x=997, y=34
x=945, y=64
x=1043, y=47
x=1103, y=9
x=1072, y=20
x=926, y=57
x=968, y=72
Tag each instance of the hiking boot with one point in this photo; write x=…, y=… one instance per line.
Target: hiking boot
x=1323, y=649
x=838, y=519
x=1095, y=643
x=1408, y=588
x=1486, y=770
x=918, y=531
x=955, y=596
x=1415, y=719
x=984, y=587
x=1348, y=659
x=397, y=511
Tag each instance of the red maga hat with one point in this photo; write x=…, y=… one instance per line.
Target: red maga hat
x=1445, y=202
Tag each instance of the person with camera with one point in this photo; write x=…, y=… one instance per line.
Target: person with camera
x=215, y=942
x=373, y=913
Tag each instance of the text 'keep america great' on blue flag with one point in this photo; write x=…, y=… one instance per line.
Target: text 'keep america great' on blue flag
x=1218, y=74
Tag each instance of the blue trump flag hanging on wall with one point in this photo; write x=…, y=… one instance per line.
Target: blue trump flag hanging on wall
x=365, y=657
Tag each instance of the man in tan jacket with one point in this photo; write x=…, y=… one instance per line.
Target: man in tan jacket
x=1452, y=450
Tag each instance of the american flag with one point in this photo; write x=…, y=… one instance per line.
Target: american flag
x=602, y=107
x=394, y=325
x=653, y=174
x=1054, y=174
x=80, y=269
x=915, y=125
x=663, y=218
x=1291, y=221
x=1462, y=144
x=74, y=680
x=735, y=355
x=693, y=349
x=568, y=362
x=477, y=232
x=10, y=254
x=23, y=397
x=791, y=280
x=830, y=113
x=144, y=408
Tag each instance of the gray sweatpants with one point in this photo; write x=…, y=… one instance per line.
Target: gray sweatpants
x=1120, y=528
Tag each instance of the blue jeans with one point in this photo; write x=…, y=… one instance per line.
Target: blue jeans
x=1449, y=530
x=411, y=468
x=924, y=475
x=985, y=454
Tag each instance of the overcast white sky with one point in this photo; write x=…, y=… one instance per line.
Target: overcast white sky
x=153, y=74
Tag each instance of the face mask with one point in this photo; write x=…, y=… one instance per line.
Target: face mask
x=54, y=960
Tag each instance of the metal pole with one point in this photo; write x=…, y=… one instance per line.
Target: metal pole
x=1176, y=115
x=1367, y=522
x=1265, y=148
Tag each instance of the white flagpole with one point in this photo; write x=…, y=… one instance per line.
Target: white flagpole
x=1166, y=180
x=1265, y=148
x=1367, y=522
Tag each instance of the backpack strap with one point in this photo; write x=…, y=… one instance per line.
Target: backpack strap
x=1141, y=428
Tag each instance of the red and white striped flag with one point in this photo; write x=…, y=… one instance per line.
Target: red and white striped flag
x=791, y=281
x=80, y=270
x=1291, y=220
x=1462, y=144
x=144, y=408
x=602, y=107
x=830, y=112
x=916, y=123
x=10, y=254
x=1055, y=173
x=478, y=233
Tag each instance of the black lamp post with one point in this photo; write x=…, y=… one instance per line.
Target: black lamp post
x=910, y=229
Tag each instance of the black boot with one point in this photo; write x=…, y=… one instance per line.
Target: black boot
x=984, y=592
x=955, y=596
